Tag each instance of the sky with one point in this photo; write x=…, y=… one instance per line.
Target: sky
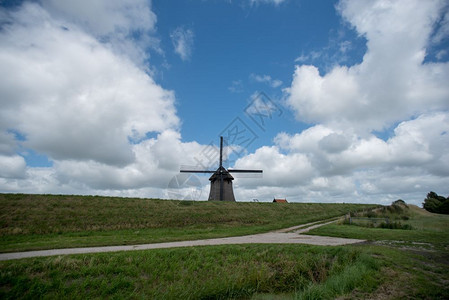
x=336, y=101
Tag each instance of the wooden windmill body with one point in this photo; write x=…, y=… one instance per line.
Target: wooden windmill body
x=221, y=180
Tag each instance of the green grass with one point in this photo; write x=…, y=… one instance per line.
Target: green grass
x=219, y=272
x=237, y=272
x=391, y=266
x=415, y=262
x=427, y=228
x=407, y=273
x=34, y=222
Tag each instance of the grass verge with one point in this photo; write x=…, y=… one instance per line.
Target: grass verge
x=220, y=272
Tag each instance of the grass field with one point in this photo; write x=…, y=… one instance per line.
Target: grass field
x=415, y=262
x=393, y=264
x=34, y=222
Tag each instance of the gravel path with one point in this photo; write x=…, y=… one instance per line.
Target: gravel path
x=290, y=235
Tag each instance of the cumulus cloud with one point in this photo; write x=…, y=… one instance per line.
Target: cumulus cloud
x=334, y=143
x=393, y=87
x=67, y=94
x=283, y=169
x=68, y=91
x=327, y=163
x=72, y=97
x=157, y=161
x=392, y=83
x=182, y=39
x=12, y=166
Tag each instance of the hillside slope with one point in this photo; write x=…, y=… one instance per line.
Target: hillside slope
x=44, y=221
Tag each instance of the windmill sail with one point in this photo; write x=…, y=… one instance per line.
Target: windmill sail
x=221, y=179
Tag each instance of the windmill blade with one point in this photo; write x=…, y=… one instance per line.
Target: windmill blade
x=238, y=173
x=244, y=171
x=247, y=175
x=194, y=169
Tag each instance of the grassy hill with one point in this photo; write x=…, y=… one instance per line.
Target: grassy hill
x=31, y=222
x=410, y=263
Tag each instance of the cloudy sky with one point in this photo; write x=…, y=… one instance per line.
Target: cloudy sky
x=337, y=101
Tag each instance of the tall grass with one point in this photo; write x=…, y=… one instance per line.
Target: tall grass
x=220, y=272
x=416, y=261
x=361, y=274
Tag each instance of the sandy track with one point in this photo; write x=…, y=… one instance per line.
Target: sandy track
x=290, y=235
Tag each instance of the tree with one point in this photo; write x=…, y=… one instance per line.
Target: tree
x=436, y=204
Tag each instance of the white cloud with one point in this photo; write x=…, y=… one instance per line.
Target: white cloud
x=126, y=25
x=283, y=169
x=72, y=97
x=274, y=83
x=182, y=39
x=391, y=87
x=422, y=142
x=86, y=106
x=325, y=163
x=391, y=83
x=157, y=161
x=12, y=166
x=334, y=143
x=69, y=93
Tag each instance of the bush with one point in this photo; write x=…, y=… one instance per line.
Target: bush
x=395, y=225
x=436, y=204
x=400, y=202
x=371, y=214
x=383, y=217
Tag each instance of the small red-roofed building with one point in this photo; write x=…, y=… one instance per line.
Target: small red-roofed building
x=280, y=200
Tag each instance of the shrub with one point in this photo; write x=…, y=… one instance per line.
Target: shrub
x=436, y=204
x=395, y=225
x=400, y=202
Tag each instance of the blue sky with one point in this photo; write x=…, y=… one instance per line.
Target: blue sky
x=235, y=43
x=337, y=101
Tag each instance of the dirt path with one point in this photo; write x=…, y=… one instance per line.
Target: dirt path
x=290, y=235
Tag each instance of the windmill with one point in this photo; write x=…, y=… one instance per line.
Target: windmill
x=221, y=179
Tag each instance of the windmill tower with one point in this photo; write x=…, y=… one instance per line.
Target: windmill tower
x=221, y=179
